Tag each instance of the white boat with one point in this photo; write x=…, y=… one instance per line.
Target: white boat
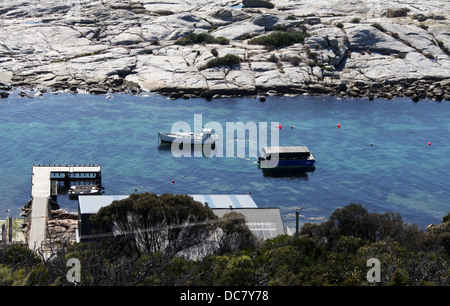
x=84, y=189
x=191, y=137
x=287, y=157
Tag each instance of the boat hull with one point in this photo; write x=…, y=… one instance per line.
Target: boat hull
x=186, y=139
x=288, y=164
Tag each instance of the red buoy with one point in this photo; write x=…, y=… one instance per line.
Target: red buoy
x=339, y=126
x=173, y=182
x=429, y=143
x=279, y=126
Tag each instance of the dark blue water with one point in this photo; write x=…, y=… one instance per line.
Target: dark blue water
x=400, y=172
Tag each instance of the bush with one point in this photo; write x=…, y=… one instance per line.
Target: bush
x=355, y=20
x=443, y=47
x=401, y=55
x=429, y=55
x=280, y=39
x=273, y=58
x=295, y=61
x=227, y=60
x=201, y=38
x=312, y=64
x=280, y=27
x=378, y=26
x=222, y=41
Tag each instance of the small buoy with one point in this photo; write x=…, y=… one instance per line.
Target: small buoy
x=339, y=126
x=173, y=182
x=279, y=126
x=371, y=144
x=429, y=143
x=292, y=127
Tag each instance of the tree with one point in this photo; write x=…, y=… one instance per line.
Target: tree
x=236, y=235
x=168, y=223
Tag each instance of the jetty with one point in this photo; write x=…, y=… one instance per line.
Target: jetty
x=44, y=185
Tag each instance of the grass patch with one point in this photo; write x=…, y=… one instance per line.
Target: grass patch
x=279, y=39
x=201, y=38
x=227, y=60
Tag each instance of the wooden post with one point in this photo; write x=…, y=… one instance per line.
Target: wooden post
x=296, y=221
x=4, y=233
x=10, y=232
x=66, y=180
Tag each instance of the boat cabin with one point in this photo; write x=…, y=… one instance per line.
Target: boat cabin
x=298, y=152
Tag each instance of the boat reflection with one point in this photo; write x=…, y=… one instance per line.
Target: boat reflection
x=292, y=173
x=195, y=150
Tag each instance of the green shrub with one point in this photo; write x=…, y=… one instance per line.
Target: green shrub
x=429, y=55
x=201, y=38
x=227, y=60
x=280, y=27
x=355, y=20
x=213, y=28
x=273, y=58
x=378, y=26
x=295, y=61
x=312, y=64
x=280, y=39
x=443, y=47
x=222, y=41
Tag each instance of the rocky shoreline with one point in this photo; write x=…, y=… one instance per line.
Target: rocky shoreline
x=432, y=89
x=438, y=90
x=371, y=49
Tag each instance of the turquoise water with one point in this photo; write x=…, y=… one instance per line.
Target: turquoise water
x=400, y=172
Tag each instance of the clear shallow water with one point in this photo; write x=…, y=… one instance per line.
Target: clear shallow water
x=399, y=173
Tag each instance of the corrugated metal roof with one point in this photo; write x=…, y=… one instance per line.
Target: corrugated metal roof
x=224, y=201
x=91, y=204
x=265, y=223
x=297, y=149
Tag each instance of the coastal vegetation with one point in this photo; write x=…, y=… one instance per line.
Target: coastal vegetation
x=278, y=39
x=229, y=60
x=335, y=252
x=201, y=38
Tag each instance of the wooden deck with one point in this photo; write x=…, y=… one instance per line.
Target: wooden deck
x=41, y=191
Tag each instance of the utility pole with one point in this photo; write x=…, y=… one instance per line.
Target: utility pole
x=296, y=221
